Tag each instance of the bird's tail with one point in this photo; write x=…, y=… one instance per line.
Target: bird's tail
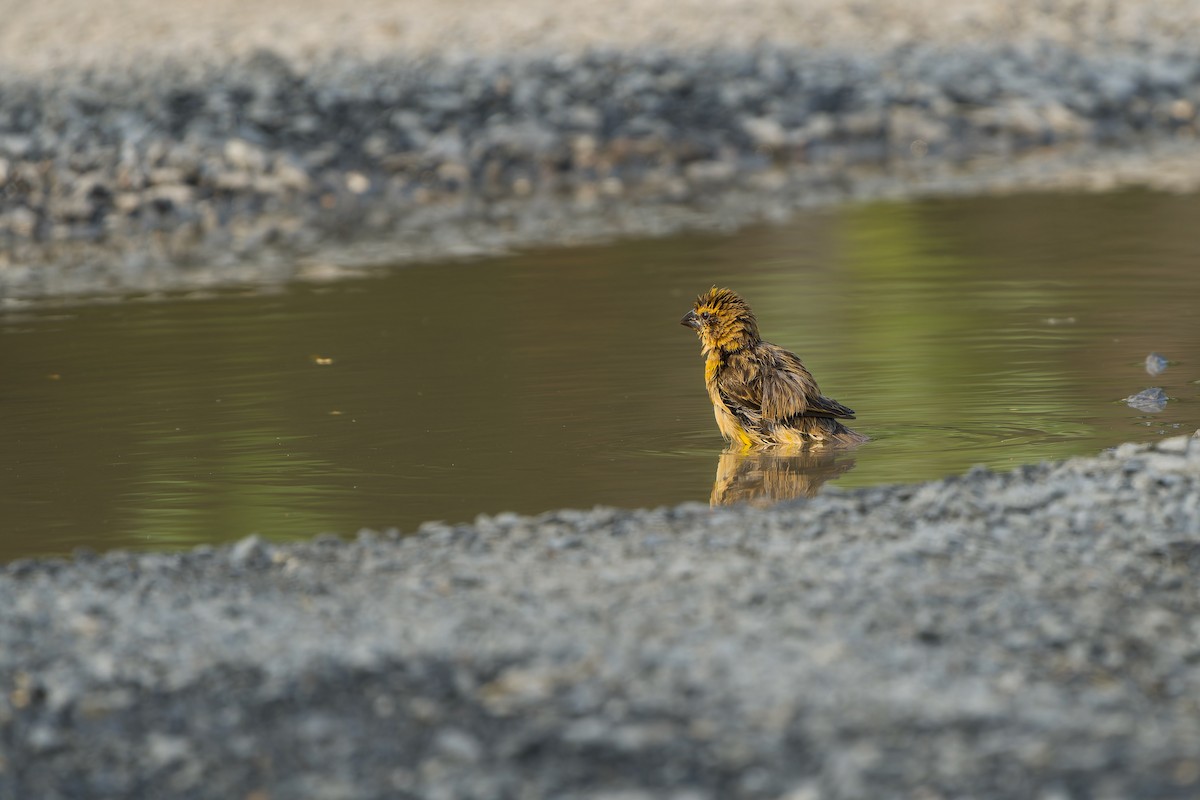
x=818, y=431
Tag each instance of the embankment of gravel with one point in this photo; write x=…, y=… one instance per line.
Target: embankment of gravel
x=177, y=174
x=1016, y=635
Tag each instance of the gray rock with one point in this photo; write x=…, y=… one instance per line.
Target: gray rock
x=249, y=552
x=457, y=745
x=1156, y=364
x=1151, y=400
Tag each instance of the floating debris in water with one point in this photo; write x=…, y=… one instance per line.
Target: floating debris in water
x=1156, y=364
x=1059, y=320
x=1153, y=400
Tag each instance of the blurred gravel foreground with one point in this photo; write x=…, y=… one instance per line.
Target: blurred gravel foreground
x=154, y=146
x=1022, y=635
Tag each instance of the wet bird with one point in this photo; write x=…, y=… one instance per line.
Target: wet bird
x=762, y=395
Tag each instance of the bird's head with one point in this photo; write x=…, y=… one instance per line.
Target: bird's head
x=723, y=321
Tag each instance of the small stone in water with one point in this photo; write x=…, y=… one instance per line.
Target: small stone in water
x=1153, y=400
x=1156, y=364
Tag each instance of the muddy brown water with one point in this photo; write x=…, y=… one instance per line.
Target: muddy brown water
x=995, y=331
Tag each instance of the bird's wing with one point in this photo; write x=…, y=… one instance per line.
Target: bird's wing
x=740, y=388
x=823, y=406
x=788, y=389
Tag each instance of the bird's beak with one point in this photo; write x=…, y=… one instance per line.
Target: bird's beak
x=690, y=320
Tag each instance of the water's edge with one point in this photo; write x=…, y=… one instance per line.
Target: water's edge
x=259, y=171
x=1006, y=617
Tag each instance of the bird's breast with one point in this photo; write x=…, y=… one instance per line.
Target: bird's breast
x=712, y=365
x=727, y=422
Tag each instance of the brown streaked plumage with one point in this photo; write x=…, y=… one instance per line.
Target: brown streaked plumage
x=762, y=395
x=766, y=475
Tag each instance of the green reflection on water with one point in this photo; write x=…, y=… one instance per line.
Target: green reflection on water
x=995, y=331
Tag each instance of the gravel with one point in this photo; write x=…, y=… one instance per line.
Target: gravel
x=1030, y=634
x=223, y=145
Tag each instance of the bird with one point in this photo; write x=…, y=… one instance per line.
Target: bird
x=762, y=395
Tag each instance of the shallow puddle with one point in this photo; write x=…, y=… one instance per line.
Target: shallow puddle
x=992, y=331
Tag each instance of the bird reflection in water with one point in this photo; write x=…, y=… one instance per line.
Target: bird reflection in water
x=771, y=475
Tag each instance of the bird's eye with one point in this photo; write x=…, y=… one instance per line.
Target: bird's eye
x=704, y=315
